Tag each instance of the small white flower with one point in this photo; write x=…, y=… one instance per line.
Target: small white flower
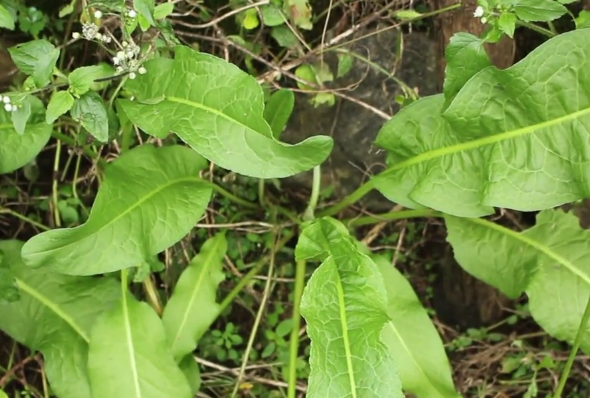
x=98, y=36
x=8, y=107
x=124, y=44
x=121, y=55
x=106, y=39
x=6, y=100
x=484, y=20
x=479, y=11
x=132, y=14
x=116, y=60
x=118, y=69
x=14, y=107
x=142, y=70
x=97, y=14
x=132, y=75
x=76, y=35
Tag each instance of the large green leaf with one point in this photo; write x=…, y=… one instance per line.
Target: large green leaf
x=514, y=138
x=55, y=315
x=192, y=307
x=550, y=262
x=345, y=307
x=16, y=150
x=150, y=198
x=129, y=355
x=217, y=109
x=419, y=353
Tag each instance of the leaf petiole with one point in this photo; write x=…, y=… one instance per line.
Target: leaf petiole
x=572, y=356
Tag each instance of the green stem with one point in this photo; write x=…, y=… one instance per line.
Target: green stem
x=349, y=200
x=536, y=28
x=25, y=219
x=231, y=196
x=261, y=191
x=570, y=360
x=308, y=215
x=86, y=149
x=54, y=185
x=395, y=215
x=294, y=340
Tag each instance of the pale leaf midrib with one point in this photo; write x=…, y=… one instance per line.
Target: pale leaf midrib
x=344, y=327
x=202, y=275
x=53, y=307
x=130, y=346
x=536, y=245
x=483, y=141
x=214, y=111
x=407, y=349
x=124, y=213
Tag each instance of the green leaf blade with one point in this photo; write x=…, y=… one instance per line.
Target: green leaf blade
x=420, y=356
x=91, y=112
x=129, y=357
x=36, y=58
x=6, y=19
x=278, y=111
x=19, y=149
x=192, y=308
x=465, y=56
x=81, y=79
x=222, y=120
x=59, y=104
x=345, y=308
x=549, y=262
x=538, y=10
x=511, y=138
x=150, y=198
x=55, y=315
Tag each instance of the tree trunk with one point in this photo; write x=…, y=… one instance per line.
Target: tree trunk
x=461, y=299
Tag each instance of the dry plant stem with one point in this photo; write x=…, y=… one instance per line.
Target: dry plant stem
x=257, y=379
x=251, y=274
x=294, y=338
x=271, y=75
x=215, y=21
x=258, y=318
x=570, y=360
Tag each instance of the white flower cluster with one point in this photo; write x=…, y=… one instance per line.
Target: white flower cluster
x=90, y=32
x=8, y=106
x=127, y=60
x=131, y=13
x=479, y=13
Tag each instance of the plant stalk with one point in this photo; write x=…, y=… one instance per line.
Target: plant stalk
x=349, y=200
x=391, y=216
x=294, y=340
x=308, y=215
x=570, y=360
